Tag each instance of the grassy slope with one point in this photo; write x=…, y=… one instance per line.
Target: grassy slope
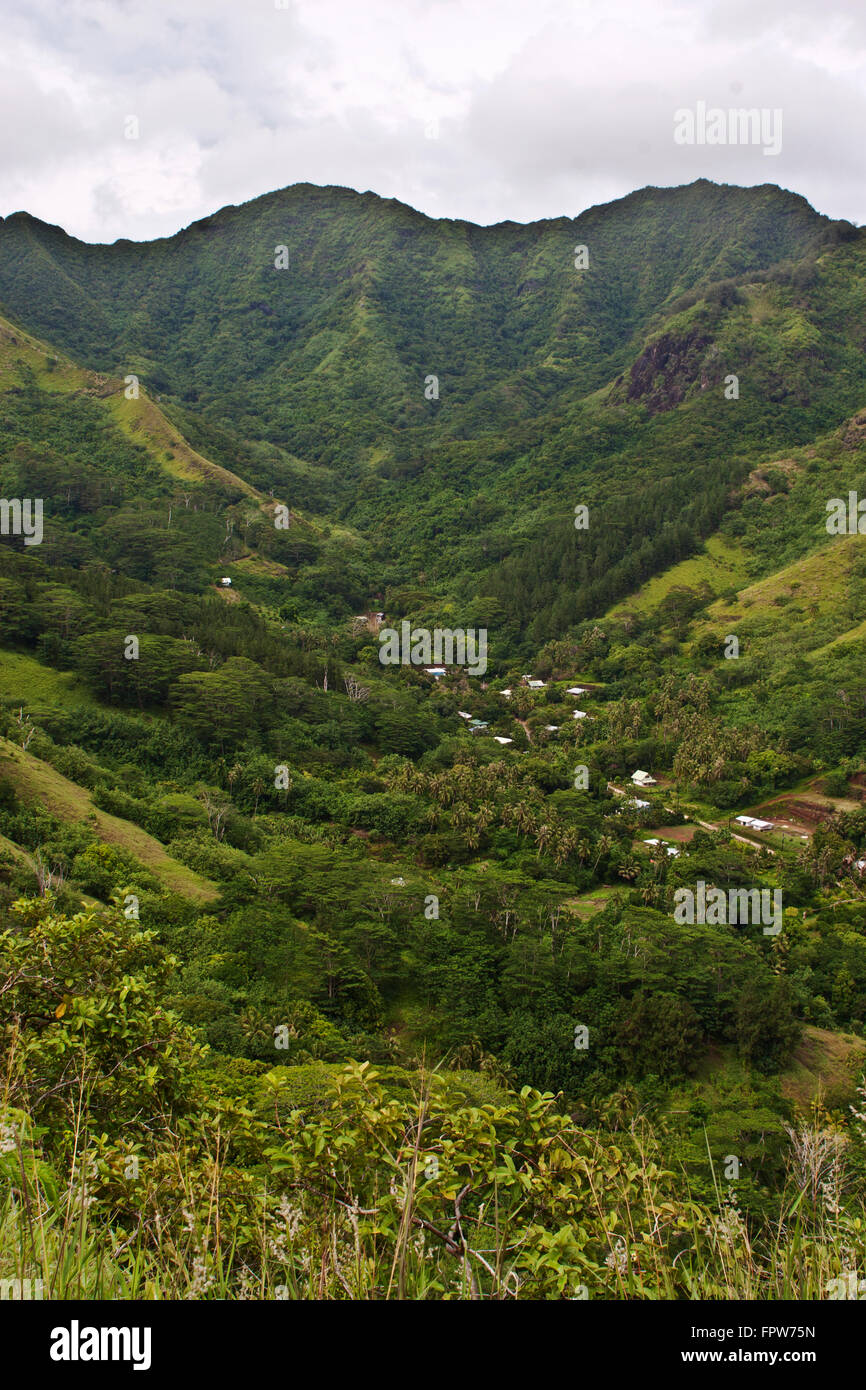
x=824, y=1064
x=721, y=565
x=818, y=582
x=141, y=419
x=824, y=1067
x=26, y=681
x=37, y=781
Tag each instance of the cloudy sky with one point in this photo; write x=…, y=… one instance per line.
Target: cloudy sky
x=483, y=109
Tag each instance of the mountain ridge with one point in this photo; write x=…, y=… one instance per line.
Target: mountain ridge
x=341, y=190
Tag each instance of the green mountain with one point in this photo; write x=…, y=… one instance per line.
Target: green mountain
x=322, y=897
x=557, y=386
x=331, y=352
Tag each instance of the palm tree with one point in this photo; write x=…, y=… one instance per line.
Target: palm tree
x=233, y=774
x=543, y=836
x=565, y=845
x=604, y=847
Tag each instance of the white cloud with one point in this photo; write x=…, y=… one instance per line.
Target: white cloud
x=536, y=109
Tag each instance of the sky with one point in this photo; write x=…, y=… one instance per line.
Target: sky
x=133, y=118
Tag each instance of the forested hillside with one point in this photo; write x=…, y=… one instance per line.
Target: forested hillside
x=376, y=951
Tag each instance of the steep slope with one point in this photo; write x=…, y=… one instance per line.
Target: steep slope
x=36, y=782
x=25, y=360
x=603, y=386
x=376, y=296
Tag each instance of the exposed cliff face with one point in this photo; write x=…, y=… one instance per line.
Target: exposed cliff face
x=666, y=370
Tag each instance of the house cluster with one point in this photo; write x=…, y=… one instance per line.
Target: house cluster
x=532, y=684
x=669, y=849
x=754, y=823
x=478, y=726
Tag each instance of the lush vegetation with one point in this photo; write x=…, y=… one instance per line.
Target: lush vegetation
x=312, y=989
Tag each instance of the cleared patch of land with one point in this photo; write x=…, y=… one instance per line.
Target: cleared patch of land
x=721, y=565
x=681, y=833
x=27, y=682
x=588, y=904
x=825, y=1064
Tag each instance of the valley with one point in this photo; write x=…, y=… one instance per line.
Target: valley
x=266, y=768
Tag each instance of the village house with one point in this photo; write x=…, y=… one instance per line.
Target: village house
x=754, y=823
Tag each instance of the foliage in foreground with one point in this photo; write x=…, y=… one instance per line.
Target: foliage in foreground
x=136, y=1167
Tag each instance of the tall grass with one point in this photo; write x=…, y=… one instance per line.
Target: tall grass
x=294, y=1248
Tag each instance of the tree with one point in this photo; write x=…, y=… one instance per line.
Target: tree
x=766, y=1029
x=659, y=1034
x=84, y=1019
